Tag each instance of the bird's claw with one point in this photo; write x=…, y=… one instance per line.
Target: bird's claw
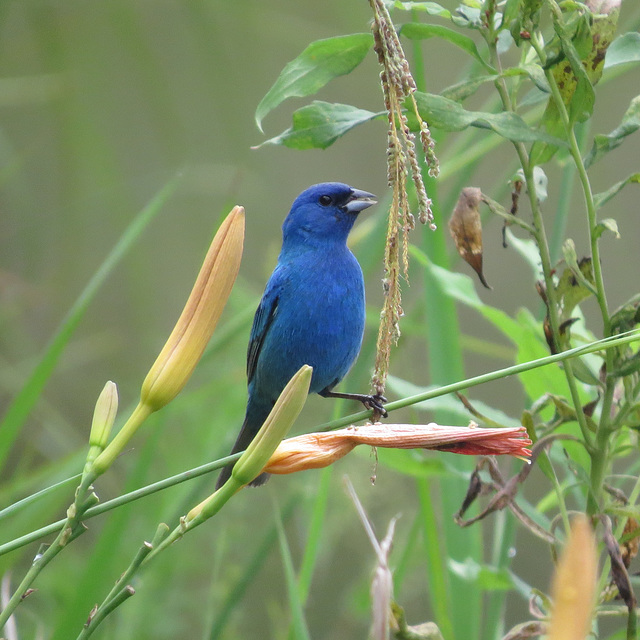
x=376, y=404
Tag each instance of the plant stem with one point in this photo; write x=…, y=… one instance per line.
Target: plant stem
x=600, y=452
x=541, y=241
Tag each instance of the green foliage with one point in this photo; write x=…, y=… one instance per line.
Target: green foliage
x=534, y=78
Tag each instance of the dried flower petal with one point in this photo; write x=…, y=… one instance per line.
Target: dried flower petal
x=316, y=450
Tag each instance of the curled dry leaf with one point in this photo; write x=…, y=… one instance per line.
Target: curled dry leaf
x=466, y=229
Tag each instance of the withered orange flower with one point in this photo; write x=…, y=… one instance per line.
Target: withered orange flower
x=317, y=450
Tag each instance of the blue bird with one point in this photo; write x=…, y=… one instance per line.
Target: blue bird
x=312, y=309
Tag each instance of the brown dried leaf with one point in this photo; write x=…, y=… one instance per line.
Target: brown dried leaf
x=630, y=547
x=619, y=572
x=466, y=229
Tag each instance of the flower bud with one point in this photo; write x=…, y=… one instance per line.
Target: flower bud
x=251, y=462
x=275, y=427
x=183, y=349
x=574, y=585
x=104, y=416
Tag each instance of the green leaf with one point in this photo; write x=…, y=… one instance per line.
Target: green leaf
x=319, y=63
x=462, y=90
x=601, y=198
x=448, y=115
x=608, y=224
x=449, y=403
x=534, y=72
x=574, y=83
x=602, y=144
x=624, y=49
x=486, y=577
x=422, y=31
x=412, y=463
x=432, y=8
x=510, y=12
x=528, y=250
x=320, y=124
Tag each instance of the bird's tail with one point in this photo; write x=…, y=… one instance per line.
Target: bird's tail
x=252, y=422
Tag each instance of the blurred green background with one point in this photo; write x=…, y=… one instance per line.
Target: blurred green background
x=101, y=104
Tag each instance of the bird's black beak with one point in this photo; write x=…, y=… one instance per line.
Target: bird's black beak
x=359, y=200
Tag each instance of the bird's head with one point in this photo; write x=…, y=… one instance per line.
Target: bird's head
x=325, y=212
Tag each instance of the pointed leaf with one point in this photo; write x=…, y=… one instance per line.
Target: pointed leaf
x=422, y=31
x=602, y=144
x=320, y=124
x=320, y=62
x=432, y=8
x=625, y=48
x=608, y=224
x=601, y=198
x=448, y=115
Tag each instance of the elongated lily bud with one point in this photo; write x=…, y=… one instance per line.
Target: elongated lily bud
x=574, y=585
x=104, y=416
x=182, y=351
x=251, y=463
x=190, y=336
x=275, y=427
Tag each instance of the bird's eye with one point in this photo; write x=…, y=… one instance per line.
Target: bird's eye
x=325, y=201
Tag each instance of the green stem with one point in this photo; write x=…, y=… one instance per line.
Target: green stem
x=542, y=243
x=71, y=529
x=600, y=452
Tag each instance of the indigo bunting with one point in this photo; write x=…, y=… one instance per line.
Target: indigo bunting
x=312, y=309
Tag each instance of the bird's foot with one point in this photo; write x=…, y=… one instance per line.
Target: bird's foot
x=376, y=404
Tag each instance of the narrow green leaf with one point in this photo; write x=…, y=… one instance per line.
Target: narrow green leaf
x=319, y=63
x=448, y=115
x=600, y=199
x=432, y=8
x=236, y=591
x=315, y=536
x=462, y=90
x=422, y=31
x=624, y=49
x=296, y=605
x=449, y=403
x=320, y=124
x=436, y=552
x=602, y=144
x=485, y=577
x=414, y=464
x=28, y=396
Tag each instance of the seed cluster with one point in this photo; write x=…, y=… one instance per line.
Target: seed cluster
x=398, y=87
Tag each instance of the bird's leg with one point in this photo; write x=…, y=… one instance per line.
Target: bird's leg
x=376, y=403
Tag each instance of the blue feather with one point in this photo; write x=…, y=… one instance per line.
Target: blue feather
x=313, y=307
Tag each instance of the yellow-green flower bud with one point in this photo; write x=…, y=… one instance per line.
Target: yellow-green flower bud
x=253, y=460
x=190, y=336
x=275, y=427
x=104, y=416
x=181, y=353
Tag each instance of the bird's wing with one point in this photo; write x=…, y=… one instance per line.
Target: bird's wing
x=265, y=314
